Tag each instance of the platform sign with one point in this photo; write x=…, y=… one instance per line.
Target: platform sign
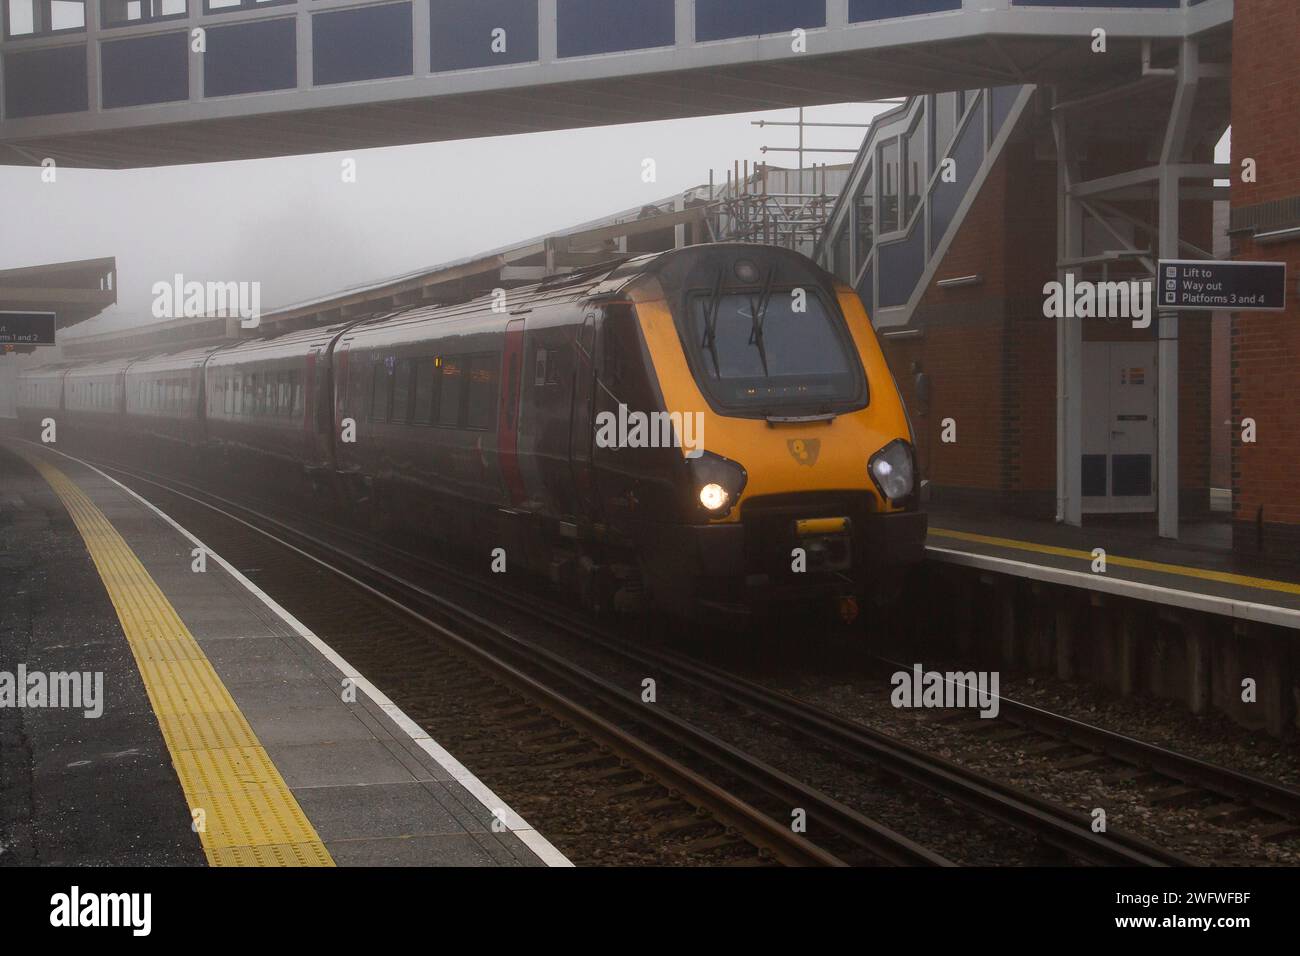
x=1200, y=284
x=26, y=328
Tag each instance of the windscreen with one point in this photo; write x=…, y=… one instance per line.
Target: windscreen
x=764, y=354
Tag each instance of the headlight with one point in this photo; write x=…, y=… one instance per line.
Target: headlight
x=716, y=484
x=713, y=496
x=892, y=470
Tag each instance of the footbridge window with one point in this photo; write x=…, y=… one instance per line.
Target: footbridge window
x=25, y=18
x=116, y=13
x=588, y=27
x=862, y=10
x=725, y=19
x=222, y=6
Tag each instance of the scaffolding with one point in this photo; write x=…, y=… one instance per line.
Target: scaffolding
x=779, y=207
x=783, y=207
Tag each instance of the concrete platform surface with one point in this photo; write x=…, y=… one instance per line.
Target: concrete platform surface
x=1195, y=573
x=216, y=705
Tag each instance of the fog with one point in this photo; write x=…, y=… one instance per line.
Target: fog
x=296, y=227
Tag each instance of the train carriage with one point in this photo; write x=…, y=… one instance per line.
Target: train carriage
x=712, y=427
x=40, y=397
x=165, y=397
x=94, y=399
x=267, y=407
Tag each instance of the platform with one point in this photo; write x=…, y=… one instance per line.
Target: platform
x=1196, y=573
x=222, y=734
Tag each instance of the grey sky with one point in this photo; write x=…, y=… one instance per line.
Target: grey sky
x=293, y=225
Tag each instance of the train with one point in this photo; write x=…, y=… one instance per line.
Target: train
x=711, y=429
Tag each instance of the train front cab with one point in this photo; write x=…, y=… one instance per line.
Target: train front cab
x=802, y=485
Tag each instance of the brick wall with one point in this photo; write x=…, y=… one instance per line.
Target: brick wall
x=1265, y=104
x=991, y=355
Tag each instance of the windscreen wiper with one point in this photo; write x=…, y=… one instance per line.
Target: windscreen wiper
x=759, y=312
x=711, y=323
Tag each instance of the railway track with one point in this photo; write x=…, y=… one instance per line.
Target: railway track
x=1066, y=831
x=1174, y=777
x=744, y=794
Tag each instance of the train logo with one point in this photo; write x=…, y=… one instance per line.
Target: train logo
x=805, y=450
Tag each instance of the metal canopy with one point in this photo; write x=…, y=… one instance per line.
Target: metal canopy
x=74, y=291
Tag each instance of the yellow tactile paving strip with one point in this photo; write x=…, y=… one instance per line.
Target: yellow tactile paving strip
x=1225, y=577
x=249, y=816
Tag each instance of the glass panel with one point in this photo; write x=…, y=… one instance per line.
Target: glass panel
x=1004, y=97
x=147, y=69
x=483, y=371
x=900, y=265
x=466, y=34
x=1144, y=4
x=251, y=57
x=449, y=392
x=945, y=123
x=843, y=267
x=22, y=17
x=720, y=19
x=865, y=206
x=424, y=383
x=586, y=27
x=379, y=394
x=946, y=197
x=365, y=43
x=67, y=14
x=889, y=186
x=117, y=12
x=796, y=358
x=860, y=10
x=402, y=391
x=867, y=289
x=915, y=168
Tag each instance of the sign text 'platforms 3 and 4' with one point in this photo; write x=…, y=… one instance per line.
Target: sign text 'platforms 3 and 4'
x=1231, y=286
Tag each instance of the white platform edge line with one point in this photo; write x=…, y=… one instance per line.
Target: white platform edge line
x=1191, y=600
x=530, y=837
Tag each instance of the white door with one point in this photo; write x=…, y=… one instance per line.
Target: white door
x=1119, y=427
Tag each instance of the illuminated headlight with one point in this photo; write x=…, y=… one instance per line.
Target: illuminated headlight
x=716, y=484
x=713, y=496
x=892, y=470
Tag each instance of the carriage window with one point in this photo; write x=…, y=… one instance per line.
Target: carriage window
x=380, y=394
x=483, y=373
x=402, y=391
x=296, y=384
x=449, y=390
x=425, y=380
